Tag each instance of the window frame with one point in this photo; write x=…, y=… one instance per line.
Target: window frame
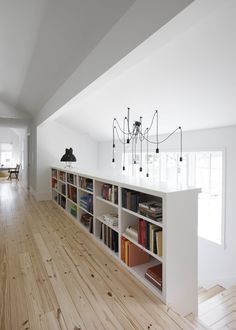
x=221, y=244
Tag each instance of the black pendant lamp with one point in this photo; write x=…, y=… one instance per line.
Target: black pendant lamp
x=68, y=157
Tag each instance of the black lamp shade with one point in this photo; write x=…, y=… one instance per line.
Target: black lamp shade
x=68, y=156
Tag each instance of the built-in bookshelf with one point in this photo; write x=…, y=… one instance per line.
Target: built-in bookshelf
x=151, y=229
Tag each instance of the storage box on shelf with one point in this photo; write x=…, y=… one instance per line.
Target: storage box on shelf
x=150, y=229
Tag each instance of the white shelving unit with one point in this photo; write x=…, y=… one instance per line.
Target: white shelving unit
x=95, y=195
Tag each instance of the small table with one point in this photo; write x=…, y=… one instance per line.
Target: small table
x=5, y=168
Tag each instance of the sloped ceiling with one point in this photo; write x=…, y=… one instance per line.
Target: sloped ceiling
x=43, y=41
x=191, y=80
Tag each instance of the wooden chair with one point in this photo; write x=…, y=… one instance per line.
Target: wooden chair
x=14, y=173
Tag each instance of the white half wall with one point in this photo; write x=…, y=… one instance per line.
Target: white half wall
x=52, y=140
x=216, y=263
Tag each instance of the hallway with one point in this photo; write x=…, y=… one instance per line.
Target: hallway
x=53, y=276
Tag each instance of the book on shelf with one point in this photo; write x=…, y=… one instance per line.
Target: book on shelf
x=132, y=232
x=130, y=199
x=87, y=220
x=154, y=275
x=150, y=236
x=109, y=192
x=109, y=237
x=131, y=254
x=111, y=219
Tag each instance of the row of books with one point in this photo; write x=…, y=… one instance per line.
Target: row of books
x=146, y=234
x=109, y=193
x=154, y=275
x=131, y=254
x=109, y=237
x=87, y=220
x=86, y=202
x=71, y=178
x=86, y=183
x=111, y=219
x=151, y=209
x=72, y=193
x=130, y=199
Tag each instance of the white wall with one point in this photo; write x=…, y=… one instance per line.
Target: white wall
x=7, y=135
x=52, y=140
x=216, y=263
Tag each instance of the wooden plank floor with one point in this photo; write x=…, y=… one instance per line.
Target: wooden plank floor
x=53, y=276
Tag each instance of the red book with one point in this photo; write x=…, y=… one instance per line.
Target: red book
x=137, y=256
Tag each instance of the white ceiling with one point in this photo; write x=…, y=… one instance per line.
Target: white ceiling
x=43, y=41
x=191, y=80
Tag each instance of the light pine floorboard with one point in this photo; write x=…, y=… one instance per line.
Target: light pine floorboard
x=54, y=276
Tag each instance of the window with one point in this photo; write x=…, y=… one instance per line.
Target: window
x=6, y=154
x=201, y=169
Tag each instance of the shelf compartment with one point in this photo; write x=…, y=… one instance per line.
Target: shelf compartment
x=139, y=272
x=61, y=200
x=62, y=188
x=106, y=201
x=72, y=192
x=144, y=204
x=72, y=179
x=108, y=236
x=107, y=192
x=86, y=202
x=83, y=209
x=86, y=184
x=101, y=219
x=62, y=176
x=72, y=208
x=138, y=215
x=142, y=247
x=86, y=220
x=85, y=190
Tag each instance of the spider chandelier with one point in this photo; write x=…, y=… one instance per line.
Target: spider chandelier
x=137, y=137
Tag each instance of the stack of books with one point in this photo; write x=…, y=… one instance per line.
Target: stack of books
x=111, y=219
x=109, y=237
x=131, y=254
x=154, y=275
x=87, y=220
x=150, y=236
x=86, y=202
x=109, y=193
x=151, y=209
